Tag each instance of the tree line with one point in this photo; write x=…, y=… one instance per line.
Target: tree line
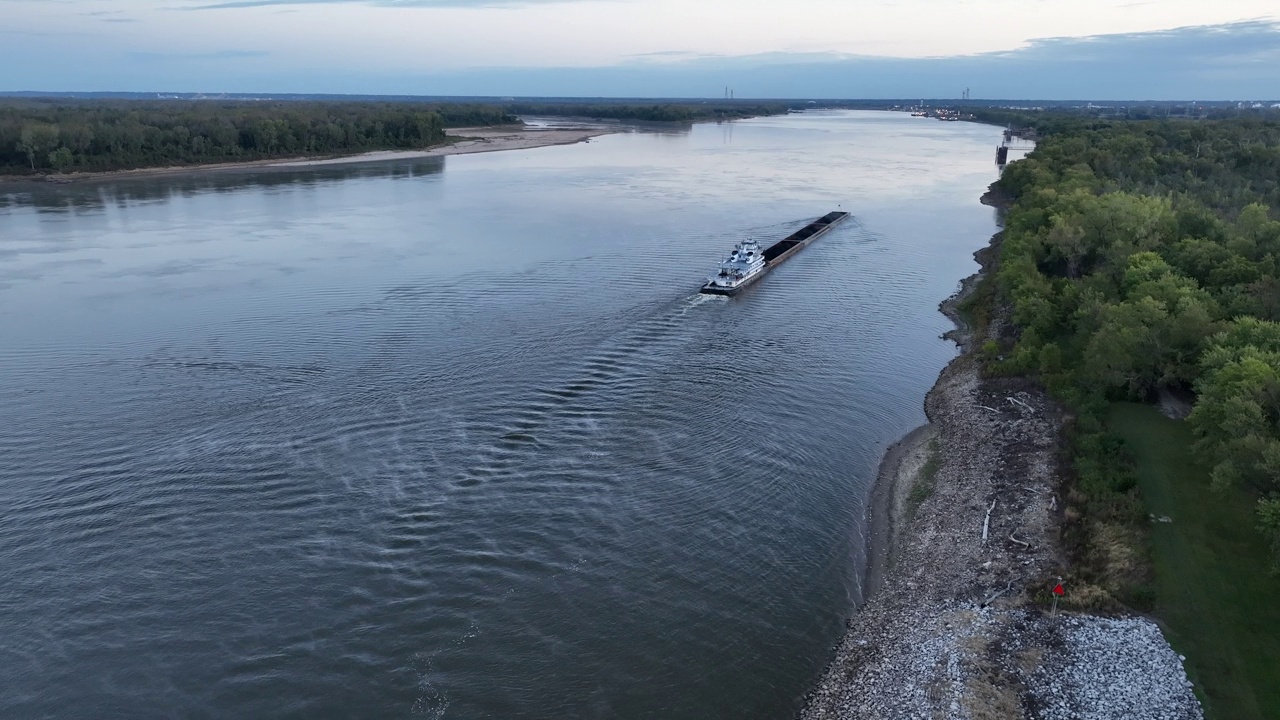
x=61, y=135
x=662, y=112
x=1141, y=257
x=43, y=136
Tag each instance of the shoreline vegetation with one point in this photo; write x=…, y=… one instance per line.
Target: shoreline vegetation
x=60, y=139
x=77, y=136
x=1142, y=261
x=1135, y=274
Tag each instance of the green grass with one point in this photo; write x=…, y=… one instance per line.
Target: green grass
x=976, y=309
x=924, y=484
x=1215, y=593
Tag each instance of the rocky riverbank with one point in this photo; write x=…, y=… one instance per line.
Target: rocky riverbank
x=957, y=625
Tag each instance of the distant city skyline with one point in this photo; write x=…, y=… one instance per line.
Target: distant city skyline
x=1087, y=49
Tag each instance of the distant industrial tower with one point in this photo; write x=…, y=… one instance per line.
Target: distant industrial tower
x=965, y=95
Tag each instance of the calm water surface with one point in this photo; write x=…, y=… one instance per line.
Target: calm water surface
x=456, y=437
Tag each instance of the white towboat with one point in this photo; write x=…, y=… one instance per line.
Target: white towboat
x=743, y=265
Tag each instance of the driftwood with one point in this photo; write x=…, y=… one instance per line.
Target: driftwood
x=993, y=598
x=1019, y=402
x=984, y=407
x=1023, y=543
x=986, y=523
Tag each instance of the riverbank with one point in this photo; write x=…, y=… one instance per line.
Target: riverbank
x=462, y=141
x=958, y=623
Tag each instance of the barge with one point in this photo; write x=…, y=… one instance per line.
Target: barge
x=747, y=263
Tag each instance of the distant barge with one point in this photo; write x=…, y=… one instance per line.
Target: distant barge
x=744, y=266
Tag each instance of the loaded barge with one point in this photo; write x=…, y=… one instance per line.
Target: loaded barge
x=748, y=263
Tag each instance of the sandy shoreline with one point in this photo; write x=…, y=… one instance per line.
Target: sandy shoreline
x=954, y=624
x=465, y=141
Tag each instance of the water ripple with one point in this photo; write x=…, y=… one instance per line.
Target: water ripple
x=463, y=441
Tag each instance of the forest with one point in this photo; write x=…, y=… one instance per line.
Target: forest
x=1142, y=258
x=41, y=136
x=56, y=135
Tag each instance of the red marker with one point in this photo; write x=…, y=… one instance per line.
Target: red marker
x=1057, y=589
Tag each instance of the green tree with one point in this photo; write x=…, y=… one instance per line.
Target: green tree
x=1236, y=417
x=1269, y=522
x=36, y=141
x=1125, y=352
x=61, y=159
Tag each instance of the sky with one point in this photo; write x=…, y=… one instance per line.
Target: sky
x=999, y=49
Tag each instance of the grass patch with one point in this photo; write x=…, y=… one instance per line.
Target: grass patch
x=1104, y=528
x=975, y=310
x=1214, y=590
x=925, y=481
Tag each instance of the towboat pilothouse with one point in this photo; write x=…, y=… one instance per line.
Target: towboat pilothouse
x=743, y=265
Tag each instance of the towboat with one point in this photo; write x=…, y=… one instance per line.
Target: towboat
x=743, y=266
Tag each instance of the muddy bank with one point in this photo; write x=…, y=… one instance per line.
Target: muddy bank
x=956, y=624
x=471, y=141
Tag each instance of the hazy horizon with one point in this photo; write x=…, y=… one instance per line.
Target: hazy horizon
x=836, y=102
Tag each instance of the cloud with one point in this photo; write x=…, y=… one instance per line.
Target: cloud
x=232, y=4
x=1231, y=61
x=179, y=57
x=1200, y=41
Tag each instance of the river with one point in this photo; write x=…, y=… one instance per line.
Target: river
x=456, y=437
